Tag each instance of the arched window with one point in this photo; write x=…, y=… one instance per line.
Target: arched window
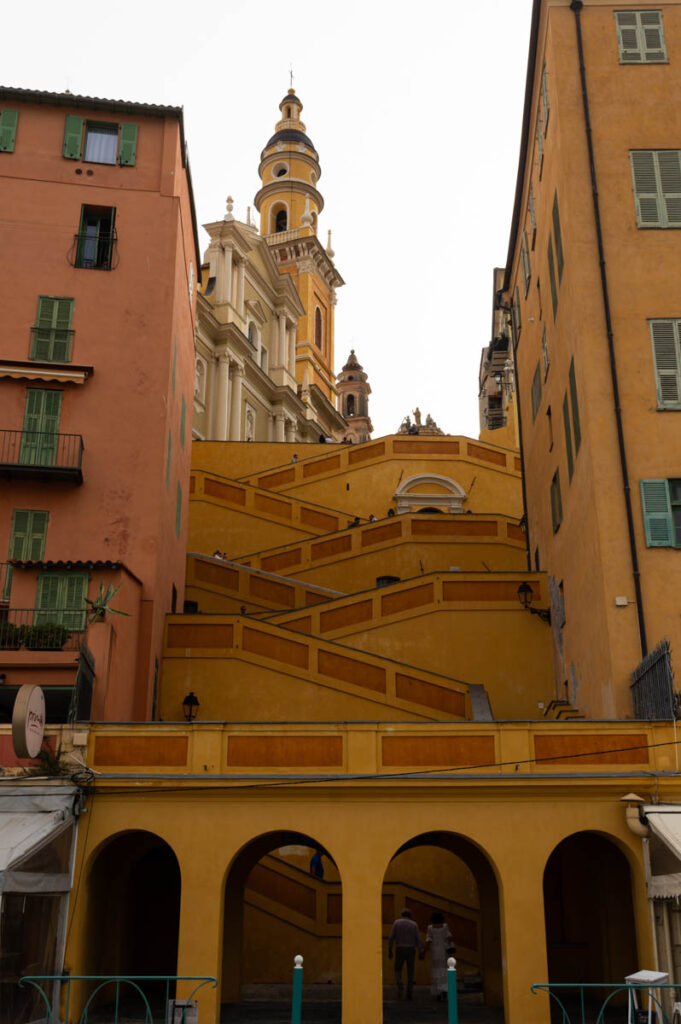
x=281, y=220
x=318, y=328
x=350, y=405
x=288, y=113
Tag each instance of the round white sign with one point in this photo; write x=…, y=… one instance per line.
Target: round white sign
x=28, y=721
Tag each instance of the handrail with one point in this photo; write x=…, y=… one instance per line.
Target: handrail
x=583, y=988
x=41, y=449
x=52, y=1011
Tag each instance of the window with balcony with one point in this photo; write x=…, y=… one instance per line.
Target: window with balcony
x=96, y=238
x=40, y=434
x=60, y=600
x=27, y=540
x=99, y=142
x=52, y=333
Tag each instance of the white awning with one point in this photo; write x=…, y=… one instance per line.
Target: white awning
x=29, y=819
x=664, y=861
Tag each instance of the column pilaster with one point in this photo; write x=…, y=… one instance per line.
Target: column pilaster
x=221, y=411
x=279, y=422
x=235, y=403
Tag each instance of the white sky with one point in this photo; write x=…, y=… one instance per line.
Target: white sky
x=415, y=110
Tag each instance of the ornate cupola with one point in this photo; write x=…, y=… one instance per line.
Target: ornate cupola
x=289, y=170
x=353, y=392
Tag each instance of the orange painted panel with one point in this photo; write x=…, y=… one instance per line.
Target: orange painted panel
x=438, y=526
x=285, y=476
x=273, y=506
x=273, y=591
x=415, y=597
x=200, y=634
x=481, y=590
x=328, y=548
x=303, y=625
x=381, y=533
x=218, y=575
x=281, y=561
x=359, y=673
x=314, y=597
x=485, y=455
x=388, y=908
x=321, y=520
x=426, y=447
x=276, y=647
x=284, y=751
x=432, y=696
x=578, y=748
x=372, y=451
x=514, y=531
x=445, y=751
x=323, y=466
x=517, y=464
x=158, y=751
x=192, y=484
x=346, y=616
x=228, y=492
x=334, y=908
x=277, y=887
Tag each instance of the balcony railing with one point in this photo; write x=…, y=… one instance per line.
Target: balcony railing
x=30, y=454
x=94, y=252
x=40, y=629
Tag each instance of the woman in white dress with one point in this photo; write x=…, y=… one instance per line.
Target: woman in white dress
x=438, y=940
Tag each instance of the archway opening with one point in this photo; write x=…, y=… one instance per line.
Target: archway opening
x=590, y=930
x=133, y=911
x=282, y=898
x=280, y=220
x=318, y=328
x=446, y=882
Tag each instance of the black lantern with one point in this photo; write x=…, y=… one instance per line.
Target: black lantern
x=190, y=706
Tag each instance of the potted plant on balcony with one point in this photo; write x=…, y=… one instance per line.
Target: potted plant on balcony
x=10, y=636
x=100, y=605
x=45, y=636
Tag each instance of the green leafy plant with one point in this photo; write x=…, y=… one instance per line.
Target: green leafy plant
x=10, y=636
x=100, y=605
x=45, y=636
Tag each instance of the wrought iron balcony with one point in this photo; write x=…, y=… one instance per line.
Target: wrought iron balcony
x=41, y=456
x=39, y=629
x=93, y=251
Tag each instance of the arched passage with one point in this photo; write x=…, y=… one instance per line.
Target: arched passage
x=590, y=931
x=275, y=908
x=443, y=872
x=133, y=907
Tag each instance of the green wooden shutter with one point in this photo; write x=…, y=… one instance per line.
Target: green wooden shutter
x=545, y=352
x=568, y=436
x=183, y=417
x=27, y=540
x=8, y=130
x=556, y=502
x=651, y=35
x=73, y=137
x=657, y=513
x=558, y=235
x=178, y=510
x=48, y=597
x=127, y=146
x=30, y=437
x=669, y=169
x=666, y=358
x=545, y=98
x=576, y=425
x=648, y=209
x=552, y=278
x=540, y=142
x=536, y=392
x=52, y=333
x=41, y=426
x=628, y=37
x=533, y=214
x=74, y=592
x=525, y=258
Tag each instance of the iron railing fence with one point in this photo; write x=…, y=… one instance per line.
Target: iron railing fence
x=52, y=344
x=40, y=629
x=652, y=685
x=153, y=994
x=601, y=1003
x=94, y=252
x=41, y=450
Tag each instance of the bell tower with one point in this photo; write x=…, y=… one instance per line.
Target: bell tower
x=289, y=204
x=354, y=390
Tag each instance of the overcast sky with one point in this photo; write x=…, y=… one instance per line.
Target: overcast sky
x=415, y=110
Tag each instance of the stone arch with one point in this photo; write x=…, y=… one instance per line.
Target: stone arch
x=279, y=214
x=429, y=490
x=275, y=908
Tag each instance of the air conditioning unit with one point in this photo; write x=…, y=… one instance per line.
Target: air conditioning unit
x=183, y=1011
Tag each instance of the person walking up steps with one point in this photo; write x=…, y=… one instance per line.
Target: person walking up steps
x=439, y=941
x=406, y=938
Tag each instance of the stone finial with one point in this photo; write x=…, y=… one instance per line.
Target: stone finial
x=230, y=206
x=329, y=249
x=306, y=219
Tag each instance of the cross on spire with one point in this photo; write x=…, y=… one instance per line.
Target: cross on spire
x=290, y=71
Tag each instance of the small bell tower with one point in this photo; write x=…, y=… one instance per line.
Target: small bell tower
x=353, y=392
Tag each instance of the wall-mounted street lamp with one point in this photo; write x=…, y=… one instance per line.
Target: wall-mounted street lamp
x=190, y=706
x=526, y=596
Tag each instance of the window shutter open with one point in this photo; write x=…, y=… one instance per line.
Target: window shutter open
x=552, y=278
x=657, y=513
x=127, y=147
x=652, y=36
x=558, y=235
x=568, y=436
x=645, y=188
x=576, y=426
x=8, y=130
x=669, y=163
x=545, y=98
x=73, y=136
x=525, y=257
x=664, y=335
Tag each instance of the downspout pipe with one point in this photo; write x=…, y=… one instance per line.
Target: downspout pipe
x=525, y=518
x=576, y=6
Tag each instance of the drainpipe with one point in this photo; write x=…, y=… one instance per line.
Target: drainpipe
x=506, y=308
x=576, y=6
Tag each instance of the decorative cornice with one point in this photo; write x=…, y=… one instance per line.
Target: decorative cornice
x=310, y=248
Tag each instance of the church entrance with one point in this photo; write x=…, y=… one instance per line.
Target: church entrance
x=282, y=899
x=443, y=880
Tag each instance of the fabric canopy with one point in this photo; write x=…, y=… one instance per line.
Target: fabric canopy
x=664, y=867
x=30, y=817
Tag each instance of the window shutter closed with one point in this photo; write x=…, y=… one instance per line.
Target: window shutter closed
x=558, y=235
x=652, y=36
x=657, y=513
x=666, y=357
x=8, y=130
x=627, y=37
x=552, y=278
x=576, y=426
x=27, y=540
x=74, y=591
x=525, y=257
x=669, y=163
x=47, y=601
x=568, y=436
x=73, y=136
x=52, y=338
x=545, y=98
x=645, y=188
x=127, y=147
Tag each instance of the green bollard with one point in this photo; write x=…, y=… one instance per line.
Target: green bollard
x=452, y=999
x=297, y=1001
